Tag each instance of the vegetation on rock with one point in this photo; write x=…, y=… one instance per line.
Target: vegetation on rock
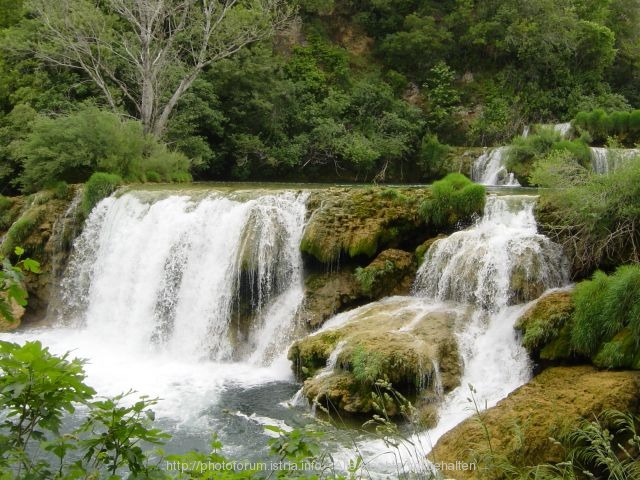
x=521, y=434
x=453, y=199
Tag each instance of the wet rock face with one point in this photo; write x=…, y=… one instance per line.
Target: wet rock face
x=408, y=343
x=45, y=226
x=523, y=426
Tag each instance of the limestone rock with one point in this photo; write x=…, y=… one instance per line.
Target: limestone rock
x=546, y=328
x=361, y=222
x=522, y=426
x=400, y=339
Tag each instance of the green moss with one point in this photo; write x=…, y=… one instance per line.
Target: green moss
x=311, y=354
x=545, y=327
x=621, y=352
x=100, y=185
x=360, y=222
x=21, y=230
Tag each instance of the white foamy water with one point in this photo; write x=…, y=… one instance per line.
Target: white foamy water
x=605, y=160
x=152, y=295
x=490, y=169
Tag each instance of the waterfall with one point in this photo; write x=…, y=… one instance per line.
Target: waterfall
x=563, y=129
x=605, y=160
x=498, y=265
x=490, y=169
x=182, y=274
x=501, y=261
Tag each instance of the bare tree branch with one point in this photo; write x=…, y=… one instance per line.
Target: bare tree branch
x=151, y=50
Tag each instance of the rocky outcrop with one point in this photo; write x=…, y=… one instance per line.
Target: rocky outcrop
x=546, y=328
x=44, y=224
x=360, y=223
x=522, y=428
x=403, y=340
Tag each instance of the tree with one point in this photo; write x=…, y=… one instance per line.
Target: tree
x=147, y=53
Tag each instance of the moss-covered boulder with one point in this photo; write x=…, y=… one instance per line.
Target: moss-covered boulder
x=403, y=340
x=390, y=273
x=546, y=328
x=354, y=222
x=522, y=428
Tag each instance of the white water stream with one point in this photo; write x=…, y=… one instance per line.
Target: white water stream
x=490, y=169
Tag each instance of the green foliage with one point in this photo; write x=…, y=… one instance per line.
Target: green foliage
x=596, y=220
x=545, y=149
x=36, y=390
x=624, y=126
x=367, y=366
x=11, y=281
x=558, y=169
x=20, y=230
x=99, y=186
x=453, y=199
x=607, y=317
x=432, y=160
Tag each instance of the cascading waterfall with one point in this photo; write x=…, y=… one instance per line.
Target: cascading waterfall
x=498, y=265
x=171, y=272
x=605, y=160
x=490, y=169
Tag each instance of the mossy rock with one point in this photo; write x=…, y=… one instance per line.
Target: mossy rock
x=361, y=222
x=45, y=227
x=397, y=339
x=546, y=328
x=390, y=273
x=17, y=312
x=329, y=293
x=424, y=247
x=522, y=427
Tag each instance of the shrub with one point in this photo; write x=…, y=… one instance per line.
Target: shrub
x=607, y=317
x=166, y=164
x=99, y=186
x=624, y=126
x=152, y=176
x=454, y=198
x=71, y=147
x=61, y=190
x=596, y=220
x=433, y=157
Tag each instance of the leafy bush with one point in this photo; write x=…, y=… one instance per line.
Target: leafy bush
x=596, y=221
x=71, y=148
x=454, y=198
x=558, y=169
x=99, y=186
x=152, y=176
x=433, y=157
x=624, y=126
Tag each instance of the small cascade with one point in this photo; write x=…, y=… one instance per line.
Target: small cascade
x=501, y=261
x=64, y=231
x=498, y=265
x=332, y=361
x=183, y=275
x=490, y=169
x=526, y=130
x=564, y=129
x=436, y=379
x=605, y=160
